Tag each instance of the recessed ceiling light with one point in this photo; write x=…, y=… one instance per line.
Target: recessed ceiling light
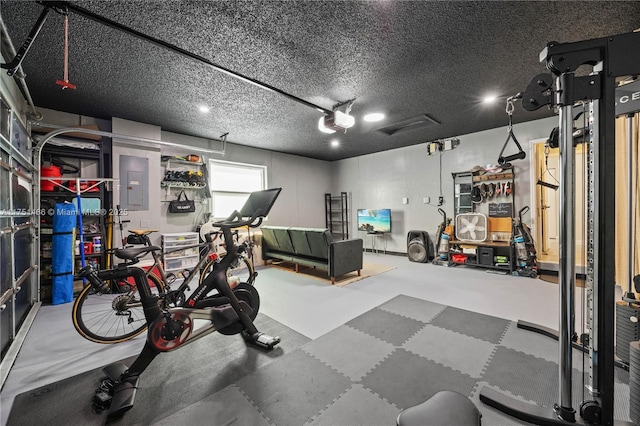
x=335, y=143
x=374, y=116
x=490, y=99
x=203, y=109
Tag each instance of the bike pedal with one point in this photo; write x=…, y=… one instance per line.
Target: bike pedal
x=101, y=401
x=265, y=341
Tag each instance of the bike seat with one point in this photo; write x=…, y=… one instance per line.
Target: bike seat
x=132, y=253
x=142, y=231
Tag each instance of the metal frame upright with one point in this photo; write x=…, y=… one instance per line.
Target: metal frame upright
x=611, y=58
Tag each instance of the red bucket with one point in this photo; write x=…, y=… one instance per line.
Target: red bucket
x=83, y=185
x=52, y=172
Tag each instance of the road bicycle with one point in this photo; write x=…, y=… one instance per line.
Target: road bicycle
x=223, y=309
x=114, y=313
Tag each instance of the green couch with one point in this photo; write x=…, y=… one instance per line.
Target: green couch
x=312, y=247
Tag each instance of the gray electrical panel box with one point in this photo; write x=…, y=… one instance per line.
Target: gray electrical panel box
x=134, y=183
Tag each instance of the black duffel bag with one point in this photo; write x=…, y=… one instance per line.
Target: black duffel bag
x=182, y=206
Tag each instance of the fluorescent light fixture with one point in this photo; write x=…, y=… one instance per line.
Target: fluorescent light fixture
x=203, y=109
x=335, y=143
x=373, y=117
x=489, y=99
x=324, y=128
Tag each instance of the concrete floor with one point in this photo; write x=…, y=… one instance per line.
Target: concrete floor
x=53, y=350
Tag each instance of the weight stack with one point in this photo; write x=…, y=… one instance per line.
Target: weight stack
x=627, y=331
x=634, y=382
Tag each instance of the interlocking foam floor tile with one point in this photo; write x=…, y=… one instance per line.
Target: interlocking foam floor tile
x=421, y=310
x=349, y=351
x=480, y=326
x=295, y=389
x=358, y=407
x=407, y=379
x=387, y=326
x=456, y=353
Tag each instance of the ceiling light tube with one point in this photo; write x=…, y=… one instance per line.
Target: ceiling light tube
x=373, y=117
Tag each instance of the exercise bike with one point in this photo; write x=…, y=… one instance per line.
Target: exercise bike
x=228, y=311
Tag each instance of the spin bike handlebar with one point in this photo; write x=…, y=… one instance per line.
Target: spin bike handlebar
x=235, y=221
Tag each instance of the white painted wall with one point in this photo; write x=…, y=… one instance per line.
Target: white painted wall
x=303, y=181
x=377, y=180
x=382, y=179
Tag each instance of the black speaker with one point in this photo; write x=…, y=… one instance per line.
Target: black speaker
x=419, y=247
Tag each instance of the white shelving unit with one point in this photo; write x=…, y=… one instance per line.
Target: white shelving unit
x=180, y=251
x=177, y=166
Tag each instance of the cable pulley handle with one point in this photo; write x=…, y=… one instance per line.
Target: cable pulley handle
x=520, y=155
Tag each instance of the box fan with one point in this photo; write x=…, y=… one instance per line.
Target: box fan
x=471, y=227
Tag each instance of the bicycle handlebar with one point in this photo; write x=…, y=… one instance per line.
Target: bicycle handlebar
x=235, y=220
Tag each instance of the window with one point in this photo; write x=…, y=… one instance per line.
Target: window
x=231, y=184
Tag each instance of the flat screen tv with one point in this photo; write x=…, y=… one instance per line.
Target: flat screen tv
x=374, y=221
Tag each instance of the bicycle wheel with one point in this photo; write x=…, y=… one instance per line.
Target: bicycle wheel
x=241, y=272
x=112, y=317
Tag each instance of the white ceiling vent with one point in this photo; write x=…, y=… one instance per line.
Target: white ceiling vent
x=415, y=123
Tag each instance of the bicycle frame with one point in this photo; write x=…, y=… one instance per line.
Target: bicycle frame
x=230, y=311
x=208, y=252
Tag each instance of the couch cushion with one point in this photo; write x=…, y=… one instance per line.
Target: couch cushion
x=300, y=242
x=319, y=241
x=277, y=238
x=269, y=241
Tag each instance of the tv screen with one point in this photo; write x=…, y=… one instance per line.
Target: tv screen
x=374, y=221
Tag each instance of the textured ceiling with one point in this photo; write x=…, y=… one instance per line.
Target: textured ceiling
x=403, y=58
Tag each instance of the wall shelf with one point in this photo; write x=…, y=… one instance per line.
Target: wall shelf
x=495, y=252
x=92, y=181
x=337, y=215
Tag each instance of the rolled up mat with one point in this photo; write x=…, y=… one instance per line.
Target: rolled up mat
x=64, y=221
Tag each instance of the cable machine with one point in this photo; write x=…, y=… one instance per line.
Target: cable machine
x=611, y=58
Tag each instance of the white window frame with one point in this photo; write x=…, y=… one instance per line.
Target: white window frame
x=226, y=194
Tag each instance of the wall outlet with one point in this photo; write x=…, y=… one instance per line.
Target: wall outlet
x=426, y=200
x=405, y=200
x=440, y=200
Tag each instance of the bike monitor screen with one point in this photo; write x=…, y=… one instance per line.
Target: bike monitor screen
x=260, y=200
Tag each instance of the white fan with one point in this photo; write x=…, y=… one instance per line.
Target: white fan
x=471, y=227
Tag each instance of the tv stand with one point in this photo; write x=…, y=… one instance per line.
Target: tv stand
x=374, y=237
